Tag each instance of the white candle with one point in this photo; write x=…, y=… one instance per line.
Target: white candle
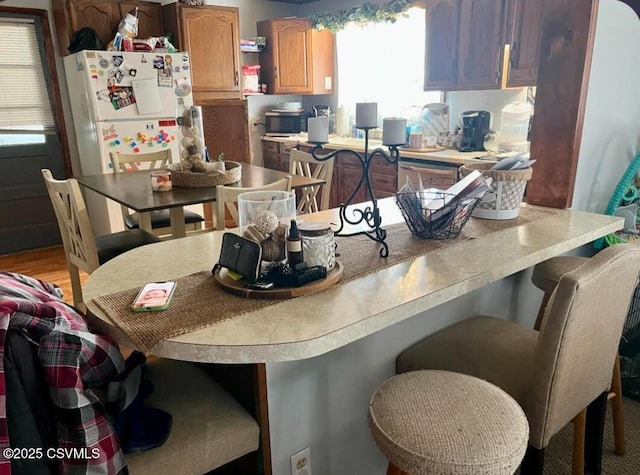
x=366, y=114
x=394, y=131
x=318, y=129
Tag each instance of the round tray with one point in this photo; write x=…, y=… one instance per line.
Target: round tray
x=188, y=179
x=237, y=287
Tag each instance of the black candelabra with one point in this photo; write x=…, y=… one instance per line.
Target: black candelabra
x=371, y=213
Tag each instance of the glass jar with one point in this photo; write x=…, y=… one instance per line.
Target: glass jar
x=318, y=245
x=191, y=138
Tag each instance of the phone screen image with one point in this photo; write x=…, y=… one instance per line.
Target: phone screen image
x=154, y=296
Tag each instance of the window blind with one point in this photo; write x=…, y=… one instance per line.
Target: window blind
x=24, y=98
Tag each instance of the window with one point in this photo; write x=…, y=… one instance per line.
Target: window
x=25, y=109
x=384, y=63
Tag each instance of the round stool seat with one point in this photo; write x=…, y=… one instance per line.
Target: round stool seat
x=547, y=274
x=436, y=422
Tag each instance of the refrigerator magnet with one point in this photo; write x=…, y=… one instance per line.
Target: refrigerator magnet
x=176, y=69
x=185, y=57
x=168, y=60
x=143, y=59
x=119, y=76
x=165, y=77
x=133, y=72
x=103, y=63
x=118, y=59
x=158, y=62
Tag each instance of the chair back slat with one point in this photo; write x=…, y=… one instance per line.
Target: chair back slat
x=303, y=164
x=128, y=162
x=227, y=198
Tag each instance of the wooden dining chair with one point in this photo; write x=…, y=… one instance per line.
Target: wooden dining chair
x=82, y=249
x=303, y=164
x=160, y=219
x=554, y=373
x=227, y=197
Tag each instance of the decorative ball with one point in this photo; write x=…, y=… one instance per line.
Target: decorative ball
x=280, y=233
x=186, y=165
x=197, y=142
x=270, y=250
x=187, y=141
x=184, y=154
x=198, y=166
x=186, y=119
x=266, y=221
x=252, y=232
x=190, y=132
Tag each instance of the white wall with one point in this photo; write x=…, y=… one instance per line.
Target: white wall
x=611, y=135
x=492, y=101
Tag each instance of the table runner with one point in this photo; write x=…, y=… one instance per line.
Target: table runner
x=198, y=302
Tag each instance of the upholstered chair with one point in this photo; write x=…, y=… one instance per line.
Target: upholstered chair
x=554, y=373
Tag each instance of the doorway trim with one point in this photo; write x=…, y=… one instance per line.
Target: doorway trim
x=42, y=17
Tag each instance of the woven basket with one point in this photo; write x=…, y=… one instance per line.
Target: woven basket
x=507, y=191
x=188, y=179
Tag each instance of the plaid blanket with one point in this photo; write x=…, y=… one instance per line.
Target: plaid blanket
x=74, y=361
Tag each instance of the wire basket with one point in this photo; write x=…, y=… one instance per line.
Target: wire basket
x=435, y=215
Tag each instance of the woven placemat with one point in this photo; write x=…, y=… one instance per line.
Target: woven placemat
x=198, y=302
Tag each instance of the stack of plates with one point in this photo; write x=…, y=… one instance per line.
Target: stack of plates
x=288, y=107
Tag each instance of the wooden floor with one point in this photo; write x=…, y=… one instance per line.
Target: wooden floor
x=47, y=264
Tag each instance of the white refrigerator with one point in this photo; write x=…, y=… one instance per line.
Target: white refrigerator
x=124, y=103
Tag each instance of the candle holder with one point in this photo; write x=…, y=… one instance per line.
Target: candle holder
x=371, y=214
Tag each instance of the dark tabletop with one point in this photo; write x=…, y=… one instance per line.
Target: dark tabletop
x=133, y=189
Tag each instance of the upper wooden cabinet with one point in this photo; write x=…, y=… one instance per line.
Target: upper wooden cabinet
x=524, y=34
x=464, y=44
x=467, y=42
x=104, y=17
x=210, y=35
x=298, y=59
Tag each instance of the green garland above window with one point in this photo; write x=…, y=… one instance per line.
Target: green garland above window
x=387, y=12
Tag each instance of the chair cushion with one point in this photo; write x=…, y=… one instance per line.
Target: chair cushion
x=547, y=274
x=499, y=351
x=209, y=428
x=112, y=245
x=161, y=219
x=444, y=422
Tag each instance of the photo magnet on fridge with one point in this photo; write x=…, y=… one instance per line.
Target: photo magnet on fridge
x=165, y=77
x=118, y=59
x=158, y=62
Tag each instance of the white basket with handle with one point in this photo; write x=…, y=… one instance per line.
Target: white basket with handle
x=507, y=190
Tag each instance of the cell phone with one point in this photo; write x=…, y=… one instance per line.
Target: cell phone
x=153, y=296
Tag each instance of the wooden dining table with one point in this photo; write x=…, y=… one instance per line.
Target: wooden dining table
x=133, y=190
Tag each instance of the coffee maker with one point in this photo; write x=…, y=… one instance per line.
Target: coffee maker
x=475, y=125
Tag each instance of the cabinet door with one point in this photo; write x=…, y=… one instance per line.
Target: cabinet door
x=102, y=17
x=525, y=43
x=292, y=57
x=149, y=18
x=480, y=50
x=226, y=129
x=211, y=37
x=442, y=20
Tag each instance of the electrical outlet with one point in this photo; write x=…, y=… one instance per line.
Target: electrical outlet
x=301, y=462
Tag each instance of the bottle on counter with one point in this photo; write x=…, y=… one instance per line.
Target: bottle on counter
x=294, y=245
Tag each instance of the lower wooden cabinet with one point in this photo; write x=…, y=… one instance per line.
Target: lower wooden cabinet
x=347, y=172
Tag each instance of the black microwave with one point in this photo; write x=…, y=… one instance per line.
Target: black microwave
x=285, y=123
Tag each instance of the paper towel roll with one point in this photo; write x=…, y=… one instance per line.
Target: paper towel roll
x=342, y=121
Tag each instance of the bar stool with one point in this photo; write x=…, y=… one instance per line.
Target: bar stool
x=546, y=276
x=434, y=422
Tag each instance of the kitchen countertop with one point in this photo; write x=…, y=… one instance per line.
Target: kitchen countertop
x=308, y=326
x=337, y=142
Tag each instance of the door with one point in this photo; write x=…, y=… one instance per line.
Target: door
x=211, y=37
x=113, y=75
x=441, y=50
x=149, y=18
x=525, y=43
x=29, y=136
x=293, y=71
x=480, y=50
x=102, y=16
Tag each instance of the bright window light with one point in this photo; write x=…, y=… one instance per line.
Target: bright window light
x=384, y=63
